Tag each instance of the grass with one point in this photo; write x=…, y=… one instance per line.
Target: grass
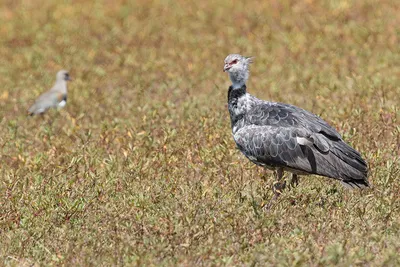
x=140, y=167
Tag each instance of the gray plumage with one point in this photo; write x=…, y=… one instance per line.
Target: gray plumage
x=56, y=97
x=284, y=137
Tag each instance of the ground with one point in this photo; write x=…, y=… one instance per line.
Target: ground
x=140, y=167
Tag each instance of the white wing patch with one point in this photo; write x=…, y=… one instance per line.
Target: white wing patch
x=304, y=141
x=40, y=110
x=62, y=104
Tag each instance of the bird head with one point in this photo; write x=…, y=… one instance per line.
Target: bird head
x=237, y=63
x=63, y=75
x=237, y=67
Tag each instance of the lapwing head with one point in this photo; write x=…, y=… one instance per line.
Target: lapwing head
x=63, y=75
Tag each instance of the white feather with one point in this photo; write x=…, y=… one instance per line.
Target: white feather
x=304, y=141
x=62, y=104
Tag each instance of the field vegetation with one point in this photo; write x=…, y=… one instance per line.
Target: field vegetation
x=140, y=168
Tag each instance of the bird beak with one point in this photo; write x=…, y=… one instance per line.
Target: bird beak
x=226, y=67
x=69, y=79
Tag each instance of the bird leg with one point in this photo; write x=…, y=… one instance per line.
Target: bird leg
x=294, y=181
x=277, y=188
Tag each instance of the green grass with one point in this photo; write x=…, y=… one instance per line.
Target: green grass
x=140, y=167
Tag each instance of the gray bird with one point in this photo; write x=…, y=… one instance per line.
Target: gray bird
x=283, y=137
x=56, y=97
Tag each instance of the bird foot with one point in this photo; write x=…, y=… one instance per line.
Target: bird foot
x=264, y=177
x=294, y=182
x=267, y=207
x=278, y=187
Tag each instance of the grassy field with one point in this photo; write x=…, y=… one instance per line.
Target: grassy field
x=140, y=168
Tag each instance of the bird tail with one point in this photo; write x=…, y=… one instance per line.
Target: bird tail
x=352, y=184
x=352, y=168
x=31, y=110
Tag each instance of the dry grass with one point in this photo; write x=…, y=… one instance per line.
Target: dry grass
x=141, y=168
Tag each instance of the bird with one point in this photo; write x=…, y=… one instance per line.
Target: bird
x=56, y=97
x=283, y=137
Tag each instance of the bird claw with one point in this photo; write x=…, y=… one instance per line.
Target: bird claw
x=264, y=177
x=278, y=187
x=267, y=207
x=294, y=182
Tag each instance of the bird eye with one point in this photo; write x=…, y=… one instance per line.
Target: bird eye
x=234, y=61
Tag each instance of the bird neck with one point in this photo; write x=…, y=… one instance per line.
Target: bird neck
x=236, y=111
x=60, y=86
x=235, y=93
x=239, y=79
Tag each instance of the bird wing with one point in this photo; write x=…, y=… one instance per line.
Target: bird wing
x=284, y=115
x=300, y=149
x=274, y=146
x=45, y=101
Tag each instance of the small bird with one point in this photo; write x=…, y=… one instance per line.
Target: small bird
x=283, y=137
x=56, y=97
